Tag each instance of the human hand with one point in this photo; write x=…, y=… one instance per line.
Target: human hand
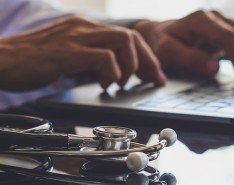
x=194, y=43
x=75, y=45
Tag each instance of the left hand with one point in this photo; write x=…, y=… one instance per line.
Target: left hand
x=194, y=43
x=71, y=46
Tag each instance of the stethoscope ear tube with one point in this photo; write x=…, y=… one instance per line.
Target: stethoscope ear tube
x=21, y=139
x=11, y=138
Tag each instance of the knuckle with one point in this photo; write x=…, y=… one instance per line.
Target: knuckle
x=215, y=12
x=126, y=36
x=199, y=14
x=72, y=19
x=137, y=35
x=109, y=55
x=197, y=17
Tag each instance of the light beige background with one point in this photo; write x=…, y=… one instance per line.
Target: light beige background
x=154, y=9
x=91, y=5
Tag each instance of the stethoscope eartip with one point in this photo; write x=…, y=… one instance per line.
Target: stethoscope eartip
x=137, y=161
x=169, y=135
x=169, y=178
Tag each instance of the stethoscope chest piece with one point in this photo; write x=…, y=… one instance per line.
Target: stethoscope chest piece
x=114, y=138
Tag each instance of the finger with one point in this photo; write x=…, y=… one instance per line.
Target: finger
x=149, y=67
x=118, y=40
x=100, y=61
x=212, y=29
x=173, y=53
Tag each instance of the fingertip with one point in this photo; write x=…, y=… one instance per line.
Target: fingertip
x=161, y=78
x=212, y=67
x=107, y=79
x=104, y=87
x=105, y=83
x=122, y=82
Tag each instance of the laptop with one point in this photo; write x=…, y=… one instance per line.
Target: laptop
x=190, y=99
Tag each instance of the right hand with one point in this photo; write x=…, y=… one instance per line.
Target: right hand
x=194, y=43
x=73, y=45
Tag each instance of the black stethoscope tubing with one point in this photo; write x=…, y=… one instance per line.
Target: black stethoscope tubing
x=9, y=174
x=23, y=122
x=81, y=180
x=55, y=176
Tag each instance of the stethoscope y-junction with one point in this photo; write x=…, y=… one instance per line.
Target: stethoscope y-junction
x=110, y=145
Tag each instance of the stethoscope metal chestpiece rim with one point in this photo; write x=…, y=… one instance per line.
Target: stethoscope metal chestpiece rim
x=114, y=132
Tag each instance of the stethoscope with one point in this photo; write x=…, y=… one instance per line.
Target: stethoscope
x=111, y=144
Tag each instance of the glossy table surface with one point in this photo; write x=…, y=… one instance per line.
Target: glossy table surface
x=195, y=159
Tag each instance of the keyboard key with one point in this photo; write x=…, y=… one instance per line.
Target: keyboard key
x=190, y=105
x=172, y=103
x=226, y=110
x=226, y=100
x=208, y=109
x=156, y=100
x=217, y=104
x=201, y=100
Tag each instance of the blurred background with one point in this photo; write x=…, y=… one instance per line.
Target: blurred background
x=152, y=9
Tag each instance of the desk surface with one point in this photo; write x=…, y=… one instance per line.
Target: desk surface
x=195, y=159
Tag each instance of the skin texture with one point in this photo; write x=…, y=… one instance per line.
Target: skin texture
x=194, y=43
x=74, y=45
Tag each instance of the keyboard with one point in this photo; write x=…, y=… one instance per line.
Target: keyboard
x=207, y=97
